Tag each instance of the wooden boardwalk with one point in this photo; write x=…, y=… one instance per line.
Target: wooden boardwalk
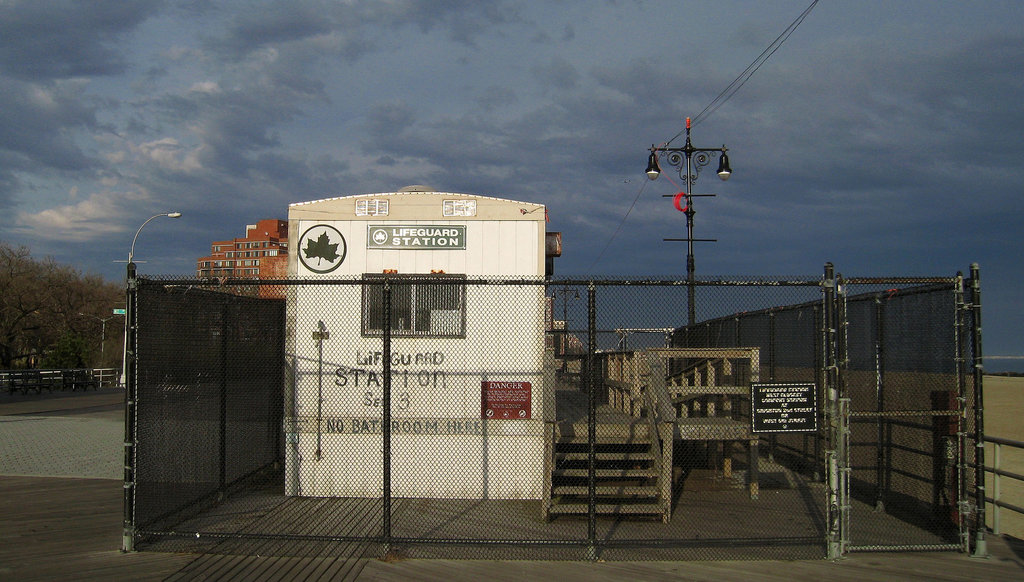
x=71, y=529
x=64, y=528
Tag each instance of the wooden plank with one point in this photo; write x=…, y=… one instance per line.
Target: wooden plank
x=51, y=528
x=628, y=490
x=683, y=392
x=711, y=428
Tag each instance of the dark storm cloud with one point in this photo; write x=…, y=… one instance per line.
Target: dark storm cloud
x=67, y=38
x=35, y=119
x=272, y=23
x=866, y=140
x=352, y=29
x=557, y=73
x=37, y=125
x=47, y=51
x=9, y=183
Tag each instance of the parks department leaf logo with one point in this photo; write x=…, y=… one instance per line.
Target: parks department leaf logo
x=322, y=248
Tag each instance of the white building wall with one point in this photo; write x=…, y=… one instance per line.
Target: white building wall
x=441, y=445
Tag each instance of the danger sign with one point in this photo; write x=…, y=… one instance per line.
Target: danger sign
x=505, y=400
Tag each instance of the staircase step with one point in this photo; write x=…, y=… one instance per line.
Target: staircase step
x=633, y=490
x=638, y=431
x=606, y=473
x=617, y=456
x=605, y=440
x=609, y=508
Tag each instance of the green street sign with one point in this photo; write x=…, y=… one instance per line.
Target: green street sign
x=119, y=312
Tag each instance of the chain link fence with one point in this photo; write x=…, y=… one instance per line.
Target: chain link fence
x=446, y=417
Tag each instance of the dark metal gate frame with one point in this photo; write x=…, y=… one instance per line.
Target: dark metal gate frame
x=967, y=333
x=838, y=414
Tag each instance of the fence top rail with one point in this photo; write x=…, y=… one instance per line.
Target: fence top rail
x=1002, y=441
x=704, y=353
x=44, y=371
x=899, y=280
x=379, y=279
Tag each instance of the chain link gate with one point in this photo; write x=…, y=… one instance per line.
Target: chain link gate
x=435, y=416
x=899, y=471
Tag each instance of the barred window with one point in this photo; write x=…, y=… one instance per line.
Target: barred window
x=371, y=207
x=421, y=305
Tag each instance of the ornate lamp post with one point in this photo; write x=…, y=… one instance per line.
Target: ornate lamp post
x=689, y=160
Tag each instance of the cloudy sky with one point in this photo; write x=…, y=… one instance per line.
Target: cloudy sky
x=884, y=135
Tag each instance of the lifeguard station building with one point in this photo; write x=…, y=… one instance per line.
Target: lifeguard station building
x=468, y=396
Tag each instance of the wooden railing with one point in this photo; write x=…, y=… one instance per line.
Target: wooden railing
x=713, y=378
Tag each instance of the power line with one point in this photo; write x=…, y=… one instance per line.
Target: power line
x=717, y=102
x=747, y=73
x=643, y=186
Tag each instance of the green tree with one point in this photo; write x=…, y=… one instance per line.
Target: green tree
x=69, y=352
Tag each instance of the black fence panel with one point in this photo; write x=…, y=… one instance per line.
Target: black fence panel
x=209, y=382
x=446, y=417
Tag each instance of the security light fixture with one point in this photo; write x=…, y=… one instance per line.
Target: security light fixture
x=724, y=171
x=653, y=170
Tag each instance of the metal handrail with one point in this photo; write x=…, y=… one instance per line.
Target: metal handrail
x=997, y=472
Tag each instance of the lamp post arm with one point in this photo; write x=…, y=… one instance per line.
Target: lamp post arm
x=131, y=251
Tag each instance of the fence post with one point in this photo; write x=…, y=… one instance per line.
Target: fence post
x=773, y=437
x=843, y=442
x=980, y=546
x=960, y=333
x=830, y=358
x=880, y=450
x=222, y=416
x=130, y=388
x=819, y=381
x=386, y=428
x=591, y=424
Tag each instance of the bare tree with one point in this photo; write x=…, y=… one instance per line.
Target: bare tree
x=42, y=301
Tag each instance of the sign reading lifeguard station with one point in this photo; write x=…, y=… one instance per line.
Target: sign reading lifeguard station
x=465, y=365
x=413, y=237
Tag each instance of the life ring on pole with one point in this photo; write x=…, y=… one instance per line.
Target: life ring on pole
x=678, y=206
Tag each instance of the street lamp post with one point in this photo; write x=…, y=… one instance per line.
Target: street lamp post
x=103, y=333
x=563, y=339
x=130, y=287
x=689, y=160
x=130, y=392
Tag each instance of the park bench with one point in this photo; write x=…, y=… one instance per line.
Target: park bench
x=35, y=381
x=26, y=381
x=78, y=379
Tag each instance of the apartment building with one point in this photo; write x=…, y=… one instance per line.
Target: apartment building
x=261, y=254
